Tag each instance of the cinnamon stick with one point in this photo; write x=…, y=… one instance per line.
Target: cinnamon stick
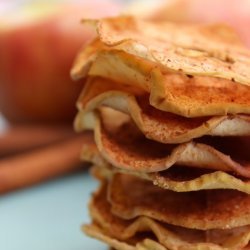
x=21, y=138
x=42, y=164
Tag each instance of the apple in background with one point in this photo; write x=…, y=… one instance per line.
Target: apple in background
x=38, y=44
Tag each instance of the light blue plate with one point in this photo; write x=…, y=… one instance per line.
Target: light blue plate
x=48, y=217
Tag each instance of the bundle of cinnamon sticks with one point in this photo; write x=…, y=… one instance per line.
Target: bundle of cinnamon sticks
x=30, y=154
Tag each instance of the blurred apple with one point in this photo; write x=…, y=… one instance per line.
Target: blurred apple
x=38, y=44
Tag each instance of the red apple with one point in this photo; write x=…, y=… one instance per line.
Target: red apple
x=38, y=44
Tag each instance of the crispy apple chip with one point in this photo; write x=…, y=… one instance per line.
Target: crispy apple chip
x=100, y=230
x=136, y=243
x=131, y=197
x=184, y=72
x=87, y=55
x=168, y=236
x=176, y=46
x=178, y=179
x=124, y=146
x=194, y=49
x=155, y=124
x=95, y=231
x=185, y=95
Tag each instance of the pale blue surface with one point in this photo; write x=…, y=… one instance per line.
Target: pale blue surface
x=48, y=217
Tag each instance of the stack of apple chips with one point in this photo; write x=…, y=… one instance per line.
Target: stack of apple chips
x=169, y=106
